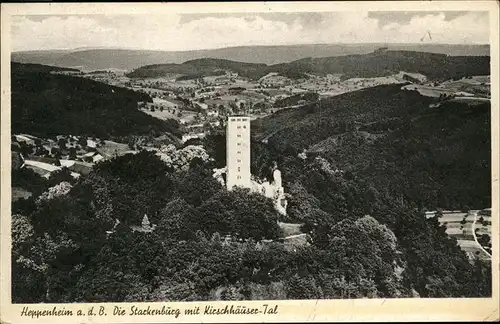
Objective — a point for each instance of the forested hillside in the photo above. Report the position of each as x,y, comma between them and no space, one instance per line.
383,63
62,253
200,68
376,64
435,157
46,104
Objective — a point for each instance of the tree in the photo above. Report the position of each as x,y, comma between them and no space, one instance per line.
26,149
196,185
221,110
62,175
137,183
82,141
62,143
177,221
115,270
72,153
55,151
61,189
484,240
303,207
303,288
240,213
42,254
207,126
335,287
233,107
371,255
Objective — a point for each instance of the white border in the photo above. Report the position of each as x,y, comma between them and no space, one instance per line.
477,309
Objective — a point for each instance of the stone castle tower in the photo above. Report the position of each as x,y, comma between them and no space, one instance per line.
238,152
238,161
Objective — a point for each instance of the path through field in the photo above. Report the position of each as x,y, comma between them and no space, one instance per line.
462,226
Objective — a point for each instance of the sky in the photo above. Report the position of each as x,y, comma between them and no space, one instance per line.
179,32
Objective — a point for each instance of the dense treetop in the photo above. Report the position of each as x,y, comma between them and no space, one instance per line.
435,157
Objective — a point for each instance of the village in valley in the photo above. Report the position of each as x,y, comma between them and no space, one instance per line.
201,104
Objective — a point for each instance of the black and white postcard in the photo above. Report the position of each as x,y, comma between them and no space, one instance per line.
249,162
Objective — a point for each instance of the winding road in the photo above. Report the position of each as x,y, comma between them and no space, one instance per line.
474,234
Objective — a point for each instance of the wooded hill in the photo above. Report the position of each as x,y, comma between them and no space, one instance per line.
438,157
378,63
46,104
199,68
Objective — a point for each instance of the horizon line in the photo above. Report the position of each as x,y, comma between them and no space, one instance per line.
238,46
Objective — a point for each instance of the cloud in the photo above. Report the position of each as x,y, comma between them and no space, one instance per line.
221,32
171,32
57,32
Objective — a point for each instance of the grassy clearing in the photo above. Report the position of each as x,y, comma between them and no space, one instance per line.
290,229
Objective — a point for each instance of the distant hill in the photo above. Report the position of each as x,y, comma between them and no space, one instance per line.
47,104
125,59
377,63
28,68
391,139
383,63
200,68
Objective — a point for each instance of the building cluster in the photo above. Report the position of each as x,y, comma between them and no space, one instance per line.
46,156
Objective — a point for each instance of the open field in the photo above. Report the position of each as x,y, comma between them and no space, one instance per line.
164,115
465,227
428,91
471,100
476,88
290,229
110,148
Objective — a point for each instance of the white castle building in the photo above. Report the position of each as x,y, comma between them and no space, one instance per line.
238,165
273,190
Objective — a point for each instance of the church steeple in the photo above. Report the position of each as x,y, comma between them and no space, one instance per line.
146,225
